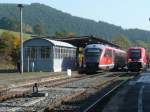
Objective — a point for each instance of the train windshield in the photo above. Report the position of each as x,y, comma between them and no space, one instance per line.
92,52
135,54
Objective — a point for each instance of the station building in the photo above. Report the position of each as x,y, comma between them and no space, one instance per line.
44,54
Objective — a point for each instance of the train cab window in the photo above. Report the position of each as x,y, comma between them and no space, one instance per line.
135,53
108,53
93,52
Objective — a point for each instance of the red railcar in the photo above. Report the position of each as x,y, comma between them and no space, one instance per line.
102,57
137,59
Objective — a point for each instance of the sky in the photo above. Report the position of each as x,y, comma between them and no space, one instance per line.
124,13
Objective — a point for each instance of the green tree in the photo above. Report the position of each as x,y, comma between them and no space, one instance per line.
64,33
15,51
27,28
38,29
9,24
122,41
10,47
60,34
141,43
55,20
71,34
2,47
6,39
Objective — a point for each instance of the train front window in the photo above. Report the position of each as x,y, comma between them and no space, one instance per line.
93,52
135,54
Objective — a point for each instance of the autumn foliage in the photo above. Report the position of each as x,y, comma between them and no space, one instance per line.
9,47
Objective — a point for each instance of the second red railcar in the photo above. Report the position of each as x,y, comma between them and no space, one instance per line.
137,59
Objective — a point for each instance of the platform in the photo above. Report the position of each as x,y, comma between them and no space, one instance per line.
134,97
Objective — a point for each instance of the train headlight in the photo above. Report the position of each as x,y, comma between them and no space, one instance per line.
140,60
129,60
84,65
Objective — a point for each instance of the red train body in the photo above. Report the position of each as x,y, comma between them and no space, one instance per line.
137,59
101,57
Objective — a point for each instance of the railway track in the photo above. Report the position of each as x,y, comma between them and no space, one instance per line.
101,101
19,90
57,91
10,92
93,107
79,103
90,96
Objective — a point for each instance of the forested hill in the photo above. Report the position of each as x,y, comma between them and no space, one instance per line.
53,20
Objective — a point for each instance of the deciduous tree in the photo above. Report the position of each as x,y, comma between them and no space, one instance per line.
38,29
10,47
122,41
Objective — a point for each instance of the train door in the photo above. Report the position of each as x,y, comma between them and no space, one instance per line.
146,58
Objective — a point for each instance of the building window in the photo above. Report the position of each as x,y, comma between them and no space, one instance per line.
56,52
45,52
31,52
26,52
62,52
72,51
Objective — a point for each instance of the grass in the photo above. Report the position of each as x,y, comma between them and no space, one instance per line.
15,76
25,36
7,79
18,76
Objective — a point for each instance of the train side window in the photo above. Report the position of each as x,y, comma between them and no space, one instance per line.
108,53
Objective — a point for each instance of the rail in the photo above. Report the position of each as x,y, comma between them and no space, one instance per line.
91,108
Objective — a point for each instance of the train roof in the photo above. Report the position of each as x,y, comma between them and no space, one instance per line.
136,48
95,46
103,47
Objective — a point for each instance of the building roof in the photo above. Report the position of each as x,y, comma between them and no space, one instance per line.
82,41
54,42
85,40
59,43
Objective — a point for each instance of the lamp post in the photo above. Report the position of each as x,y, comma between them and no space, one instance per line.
21,39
